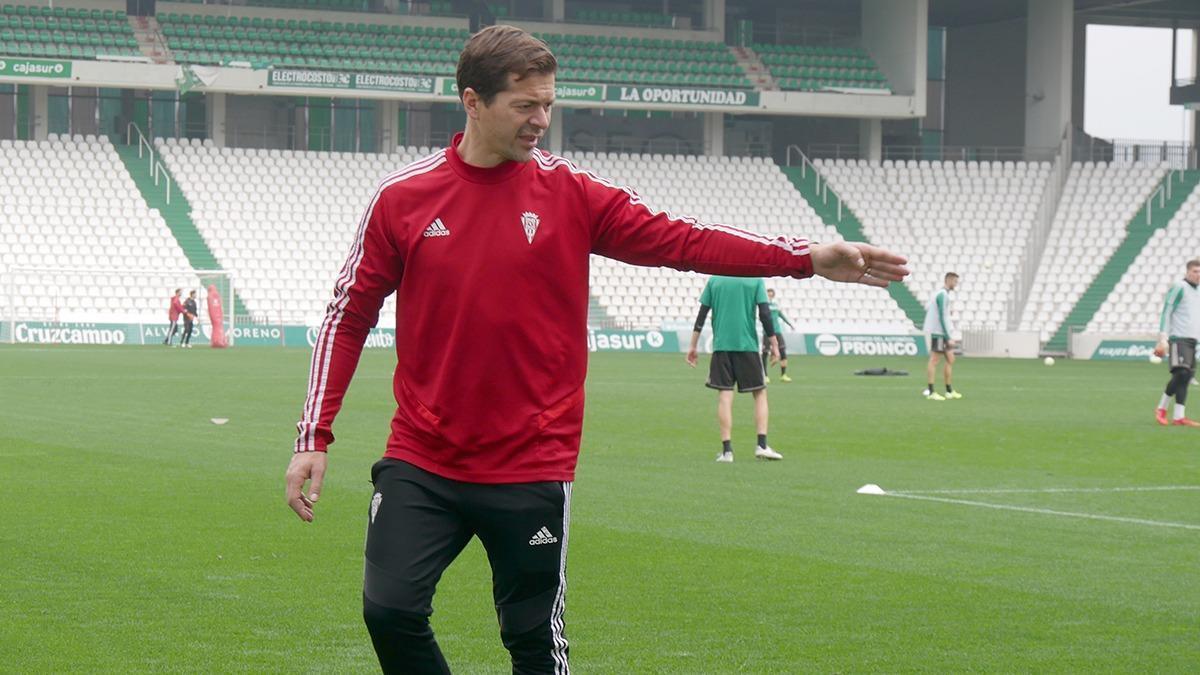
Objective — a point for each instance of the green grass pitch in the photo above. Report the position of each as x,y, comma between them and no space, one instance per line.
137,536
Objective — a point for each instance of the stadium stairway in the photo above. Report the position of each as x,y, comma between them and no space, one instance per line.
1138,233
851,230
177,215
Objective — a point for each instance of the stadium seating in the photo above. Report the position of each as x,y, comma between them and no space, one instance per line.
281,221
65,32
211,39
964,217
1097,204
446,8
69,204
749,193
611,59
646,19
813,68
1136,302
330,5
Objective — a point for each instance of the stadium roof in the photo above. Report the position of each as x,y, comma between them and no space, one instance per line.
1157,13
951,13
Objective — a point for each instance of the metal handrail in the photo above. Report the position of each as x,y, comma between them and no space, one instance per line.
156,166
1163,193
160,170
945,153
1035,246
822,187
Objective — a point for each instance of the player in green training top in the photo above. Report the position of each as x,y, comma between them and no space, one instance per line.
776,317
1179,329
733,301
938,329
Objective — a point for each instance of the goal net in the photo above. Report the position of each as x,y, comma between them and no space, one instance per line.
64,305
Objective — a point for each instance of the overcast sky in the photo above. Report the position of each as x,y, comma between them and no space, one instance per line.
1127,83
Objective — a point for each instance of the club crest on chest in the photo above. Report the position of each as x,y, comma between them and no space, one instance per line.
530,221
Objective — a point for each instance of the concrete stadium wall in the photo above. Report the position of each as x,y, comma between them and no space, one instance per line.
985,84
894,33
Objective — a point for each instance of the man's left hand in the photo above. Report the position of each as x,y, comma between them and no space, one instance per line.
855,262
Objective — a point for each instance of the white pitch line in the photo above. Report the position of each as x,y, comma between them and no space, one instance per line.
1047,512
968,491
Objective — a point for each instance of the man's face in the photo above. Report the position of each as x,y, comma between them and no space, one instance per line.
770,295
1193,275
517,117
952,283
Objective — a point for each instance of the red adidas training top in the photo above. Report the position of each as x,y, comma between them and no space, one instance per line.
491,268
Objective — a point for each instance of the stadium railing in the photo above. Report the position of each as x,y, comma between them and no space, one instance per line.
1176,155
944,153
1035,245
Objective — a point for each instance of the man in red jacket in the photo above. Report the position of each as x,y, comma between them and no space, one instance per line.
458,235
173,314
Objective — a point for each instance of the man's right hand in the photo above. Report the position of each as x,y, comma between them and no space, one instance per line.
305,466
692,357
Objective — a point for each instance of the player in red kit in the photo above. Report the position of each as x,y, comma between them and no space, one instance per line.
458,235
173,314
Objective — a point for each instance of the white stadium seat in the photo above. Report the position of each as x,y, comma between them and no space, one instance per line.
1097,203
1135,304
964,217
84,212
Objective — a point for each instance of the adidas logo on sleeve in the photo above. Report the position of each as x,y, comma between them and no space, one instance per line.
543,536
437,229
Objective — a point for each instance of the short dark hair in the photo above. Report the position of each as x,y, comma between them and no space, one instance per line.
1193,263
950,275
496,51
178,291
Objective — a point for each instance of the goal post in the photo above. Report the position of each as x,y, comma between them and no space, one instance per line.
88,305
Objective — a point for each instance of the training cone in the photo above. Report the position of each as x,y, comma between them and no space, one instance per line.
219,420
871,489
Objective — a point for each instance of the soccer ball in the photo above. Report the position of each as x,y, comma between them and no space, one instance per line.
1049,360
1155,359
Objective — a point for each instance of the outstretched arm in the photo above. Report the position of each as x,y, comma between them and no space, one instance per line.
625,228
